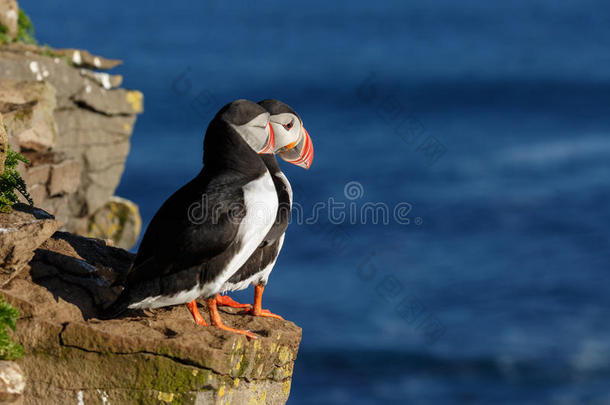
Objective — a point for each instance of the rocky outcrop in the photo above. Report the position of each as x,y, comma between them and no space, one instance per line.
74,124
28,107
21,232
150,357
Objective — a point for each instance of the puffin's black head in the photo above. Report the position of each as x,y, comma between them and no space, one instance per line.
292,142
275,107
251,122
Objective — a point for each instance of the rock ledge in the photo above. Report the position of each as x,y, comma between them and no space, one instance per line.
158,356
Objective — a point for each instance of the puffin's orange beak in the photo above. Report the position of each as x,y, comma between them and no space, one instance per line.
270,146
302,153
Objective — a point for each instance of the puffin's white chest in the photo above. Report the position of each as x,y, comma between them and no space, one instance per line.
261,203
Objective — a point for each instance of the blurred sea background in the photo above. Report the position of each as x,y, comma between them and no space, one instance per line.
489,119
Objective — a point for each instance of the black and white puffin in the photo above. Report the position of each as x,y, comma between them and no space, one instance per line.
293,145
209,228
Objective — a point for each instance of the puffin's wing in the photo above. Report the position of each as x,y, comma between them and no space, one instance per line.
181,235
249,268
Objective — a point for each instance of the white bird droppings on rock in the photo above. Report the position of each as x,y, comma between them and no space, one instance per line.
104,79
34,67
7,230
88,88
97,62
11,15
76,58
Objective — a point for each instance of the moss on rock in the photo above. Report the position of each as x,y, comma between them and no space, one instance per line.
138,378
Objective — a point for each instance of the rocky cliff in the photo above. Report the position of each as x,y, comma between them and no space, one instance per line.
59,281
73,122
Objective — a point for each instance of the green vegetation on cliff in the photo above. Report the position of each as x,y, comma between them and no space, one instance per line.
11,181
9,350
25,30
4,37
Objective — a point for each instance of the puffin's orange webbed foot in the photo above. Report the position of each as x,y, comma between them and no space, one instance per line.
192,306
217,321
226,301
246,333
262,312
257,310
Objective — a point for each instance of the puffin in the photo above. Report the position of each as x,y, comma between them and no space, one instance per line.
295,146
210,227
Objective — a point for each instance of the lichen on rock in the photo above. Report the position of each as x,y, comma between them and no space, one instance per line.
118,220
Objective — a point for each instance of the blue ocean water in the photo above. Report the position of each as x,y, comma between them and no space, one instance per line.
488,121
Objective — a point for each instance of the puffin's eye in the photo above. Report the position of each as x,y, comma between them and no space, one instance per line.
288,126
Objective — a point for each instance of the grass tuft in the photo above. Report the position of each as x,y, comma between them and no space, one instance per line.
11,181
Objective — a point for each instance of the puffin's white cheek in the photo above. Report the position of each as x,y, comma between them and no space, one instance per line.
282,137
251,140
255,139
